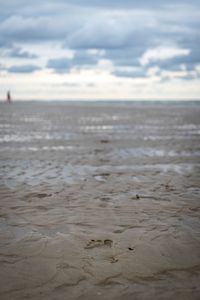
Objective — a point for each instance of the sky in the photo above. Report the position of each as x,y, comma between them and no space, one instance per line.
100,49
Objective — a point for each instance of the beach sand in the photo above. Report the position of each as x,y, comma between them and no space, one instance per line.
99,201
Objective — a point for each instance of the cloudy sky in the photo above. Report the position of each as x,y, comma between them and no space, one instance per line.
100,49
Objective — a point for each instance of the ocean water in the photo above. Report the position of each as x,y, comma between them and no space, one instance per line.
86,135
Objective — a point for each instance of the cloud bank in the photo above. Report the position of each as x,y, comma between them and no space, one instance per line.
149,40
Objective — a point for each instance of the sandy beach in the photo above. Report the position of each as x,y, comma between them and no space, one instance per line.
99,201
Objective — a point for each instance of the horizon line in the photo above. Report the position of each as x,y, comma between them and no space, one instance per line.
102,100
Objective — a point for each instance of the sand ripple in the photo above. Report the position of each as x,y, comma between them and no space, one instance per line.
99,201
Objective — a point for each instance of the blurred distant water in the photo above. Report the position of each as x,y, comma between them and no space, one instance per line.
89,134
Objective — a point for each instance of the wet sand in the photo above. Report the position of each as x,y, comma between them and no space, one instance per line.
99,201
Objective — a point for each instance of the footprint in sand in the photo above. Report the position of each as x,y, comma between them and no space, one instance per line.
104,141
113,260
98,243
43,195
131,248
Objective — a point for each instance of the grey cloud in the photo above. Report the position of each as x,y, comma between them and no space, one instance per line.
5,43
131,3
130,74
178,62
23,69
60,64
18,52
80,58
7,49
128,56
96,36
40,20
20,28
123,29
112,30
84,58
38,28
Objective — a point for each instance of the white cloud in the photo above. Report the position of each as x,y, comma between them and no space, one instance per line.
153,71
162,53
